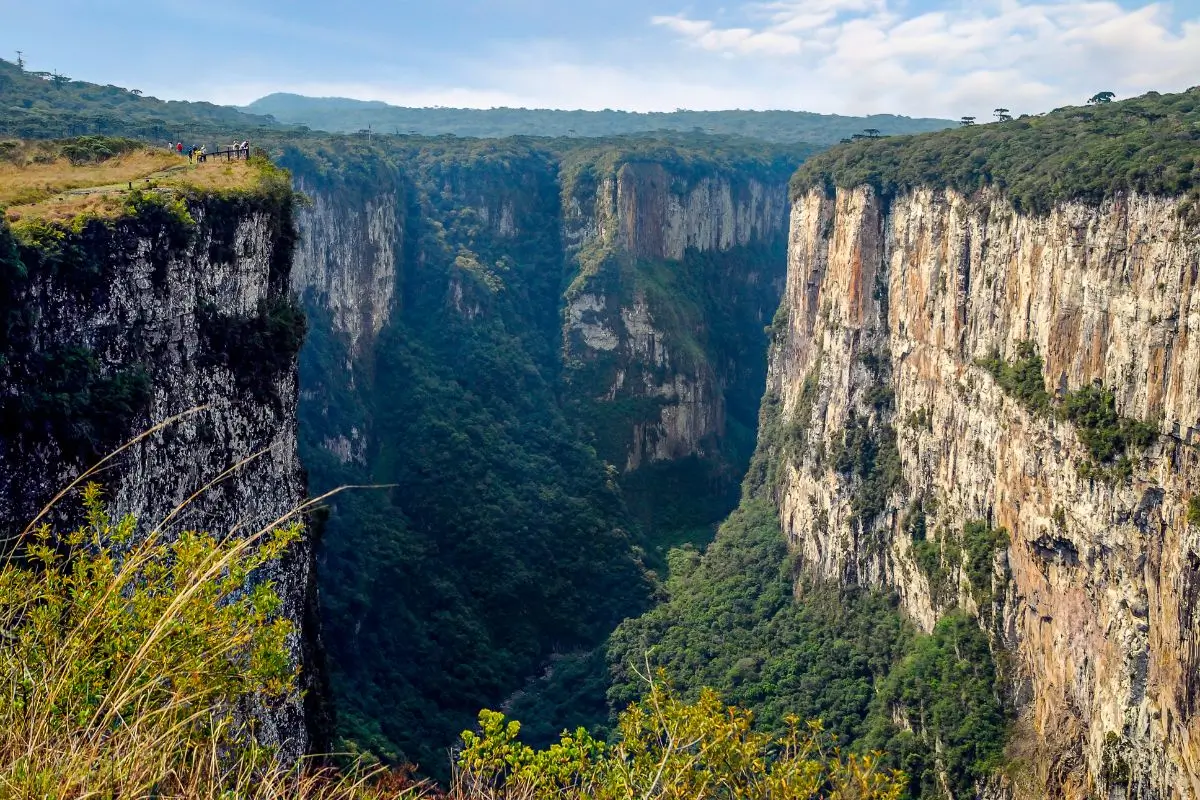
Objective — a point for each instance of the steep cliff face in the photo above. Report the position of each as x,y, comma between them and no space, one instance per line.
677,273
120,325
897,444
347,259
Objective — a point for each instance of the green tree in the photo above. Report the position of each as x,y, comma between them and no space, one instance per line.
1101,98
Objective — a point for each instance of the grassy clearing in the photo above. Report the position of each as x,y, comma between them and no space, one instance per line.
58,182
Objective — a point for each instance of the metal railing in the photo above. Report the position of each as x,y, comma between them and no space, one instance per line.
230,155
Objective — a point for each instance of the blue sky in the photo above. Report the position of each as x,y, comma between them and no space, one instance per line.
916,57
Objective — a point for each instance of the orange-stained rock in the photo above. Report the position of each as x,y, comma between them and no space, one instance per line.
1100,607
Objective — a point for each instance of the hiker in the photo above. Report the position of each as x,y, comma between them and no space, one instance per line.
191,152
179,148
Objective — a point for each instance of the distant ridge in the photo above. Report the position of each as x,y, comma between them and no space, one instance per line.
345,115
41,105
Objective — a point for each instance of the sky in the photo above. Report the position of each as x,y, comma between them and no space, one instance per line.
942,58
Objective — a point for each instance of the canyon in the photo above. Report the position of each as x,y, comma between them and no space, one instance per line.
960,524
479,306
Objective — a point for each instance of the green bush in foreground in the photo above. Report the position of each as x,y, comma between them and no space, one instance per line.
123,658
667,748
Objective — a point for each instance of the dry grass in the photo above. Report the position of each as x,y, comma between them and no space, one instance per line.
24,184
120,656
59,191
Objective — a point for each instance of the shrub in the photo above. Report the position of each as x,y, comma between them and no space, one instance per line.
124,658
1105,433
1022,377
871,454
667,748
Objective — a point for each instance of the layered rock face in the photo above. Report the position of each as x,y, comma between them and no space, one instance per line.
891,305
651,247
139,320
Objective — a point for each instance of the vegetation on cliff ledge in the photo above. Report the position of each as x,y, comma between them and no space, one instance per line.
1108,436
66,183
1147,144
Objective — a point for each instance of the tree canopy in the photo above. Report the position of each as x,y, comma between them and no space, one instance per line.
1146,144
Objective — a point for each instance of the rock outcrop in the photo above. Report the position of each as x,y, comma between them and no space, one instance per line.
134,321
659,254
891,305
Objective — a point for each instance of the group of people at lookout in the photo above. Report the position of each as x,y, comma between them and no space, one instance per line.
242,149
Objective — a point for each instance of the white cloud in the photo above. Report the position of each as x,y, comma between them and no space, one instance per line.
862,56
734,40
840,56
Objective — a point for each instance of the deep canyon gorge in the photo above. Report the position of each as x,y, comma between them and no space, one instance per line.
900,434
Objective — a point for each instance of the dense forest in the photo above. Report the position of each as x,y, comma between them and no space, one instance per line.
344,115
1146,144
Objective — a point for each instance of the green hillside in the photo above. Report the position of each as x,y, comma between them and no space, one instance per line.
38,105
348,116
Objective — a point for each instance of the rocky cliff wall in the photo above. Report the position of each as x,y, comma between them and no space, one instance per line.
653,248
893,436
123,325
346,258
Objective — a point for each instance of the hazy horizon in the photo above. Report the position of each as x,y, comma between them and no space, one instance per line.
916,58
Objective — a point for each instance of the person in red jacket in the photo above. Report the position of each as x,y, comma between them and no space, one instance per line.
179,148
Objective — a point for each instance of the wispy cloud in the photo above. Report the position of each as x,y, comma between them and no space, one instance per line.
947,58
868,54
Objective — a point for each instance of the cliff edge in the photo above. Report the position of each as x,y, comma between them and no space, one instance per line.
142,305
989,399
